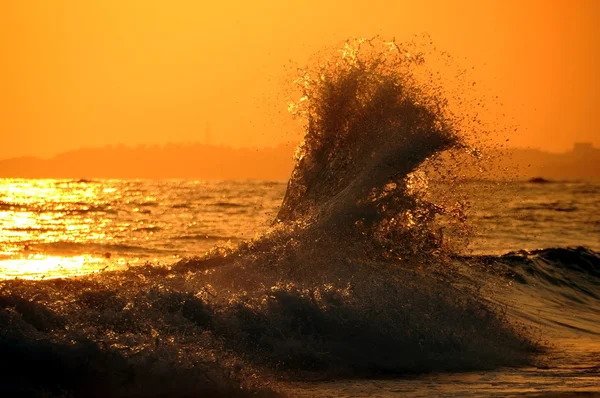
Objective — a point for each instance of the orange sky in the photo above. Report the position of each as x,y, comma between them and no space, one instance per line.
91,73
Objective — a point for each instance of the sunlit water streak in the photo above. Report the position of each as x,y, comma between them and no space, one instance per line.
56,228
51,228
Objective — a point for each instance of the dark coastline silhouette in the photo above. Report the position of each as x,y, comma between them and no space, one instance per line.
187,161
200,161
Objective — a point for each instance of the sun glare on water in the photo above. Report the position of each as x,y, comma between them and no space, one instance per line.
42,266
42,225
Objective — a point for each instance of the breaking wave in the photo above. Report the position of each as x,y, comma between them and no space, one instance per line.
557,287
354,277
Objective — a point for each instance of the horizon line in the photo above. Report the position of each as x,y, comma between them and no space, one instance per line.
163,146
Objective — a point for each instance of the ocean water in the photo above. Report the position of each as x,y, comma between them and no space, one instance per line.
376,270
52,228
62,227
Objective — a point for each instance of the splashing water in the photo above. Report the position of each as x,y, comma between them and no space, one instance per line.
323,289
342,266
369,125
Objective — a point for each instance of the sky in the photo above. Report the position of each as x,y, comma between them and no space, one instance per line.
143,72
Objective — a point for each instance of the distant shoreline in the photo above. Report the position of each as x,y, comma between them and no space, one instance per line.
209,162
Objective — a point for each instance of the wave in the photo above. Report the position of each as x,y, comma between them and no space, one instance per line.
368,128
147,229
573,272
148,203
550,206
578,261
568,275
91,209
70,208
228,205
9,205
355,258
354,278
67,247
30,229
33,364
202,237
558,288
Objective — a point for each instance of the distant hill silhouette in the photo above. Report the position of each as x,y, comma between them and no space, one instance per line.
188,161
199,161
581,163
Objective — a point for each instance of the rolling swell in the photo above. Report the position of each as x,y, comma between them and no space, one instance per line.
352,279
579,260
571,272
557,288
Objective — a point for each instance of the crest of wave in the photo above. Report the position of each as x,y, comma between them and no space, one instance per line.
323,290
370,122
320,293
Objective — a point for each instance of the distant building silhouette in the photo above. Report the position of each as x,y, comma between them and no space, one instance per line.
583,148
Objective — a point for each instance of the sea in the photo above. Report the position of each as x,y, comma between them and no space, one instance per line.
387,266
548,233
61,228
56,228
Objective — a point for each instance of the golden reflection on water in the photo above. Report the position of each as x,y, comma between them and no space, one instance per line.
34,214
43,266
60,228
